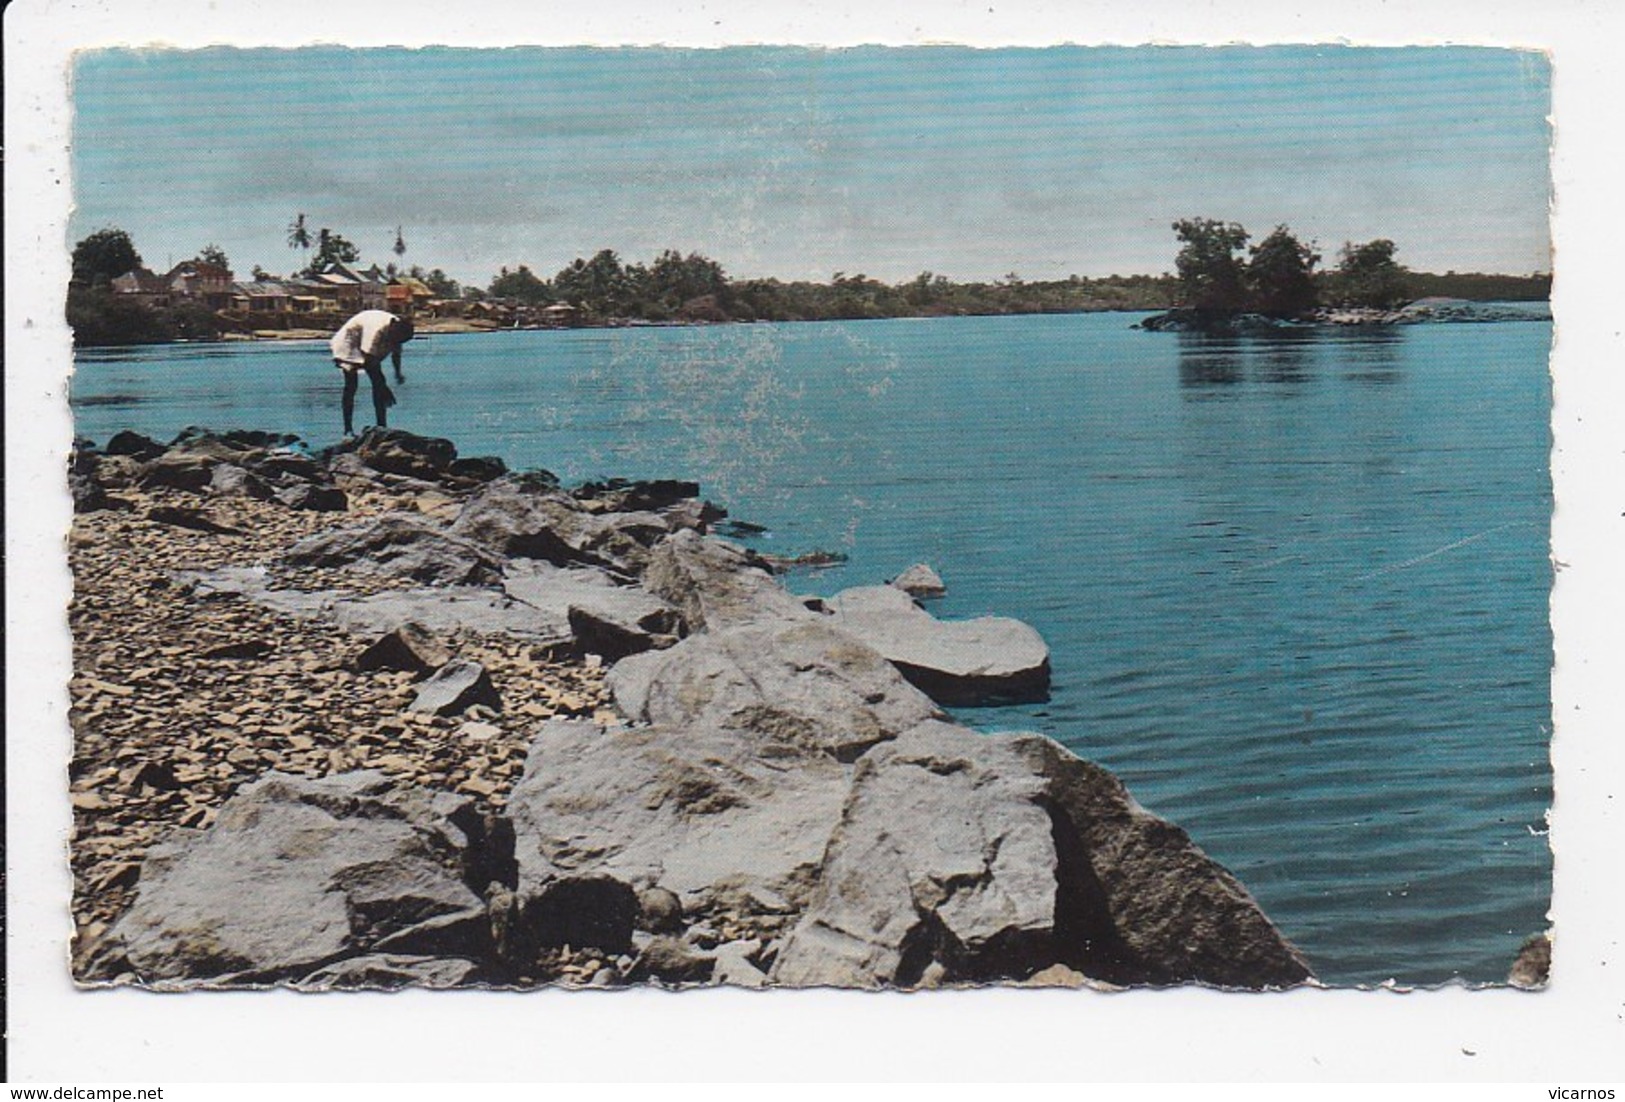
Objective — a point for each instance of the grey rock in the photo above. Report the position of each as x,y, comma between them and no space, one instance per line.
230,480
403,453
735,964
482,468
290,466
134,444
612,637
388,971
944,854
517,519
692,514
178,470
1533,967
447,610
699,811
920,580
988,660
401,545
411,647
454,687
669,961
465,933
295,873
968,858
622,496
660,911
313,497
798,681
715,584
88,494
1142,903
606,618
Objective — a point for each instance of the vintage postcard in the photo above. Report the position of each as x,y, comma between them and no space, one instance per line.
862,517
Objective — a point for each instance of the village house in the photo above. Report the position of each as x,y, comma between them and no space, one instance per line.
407,296
201,281
263,296
145,287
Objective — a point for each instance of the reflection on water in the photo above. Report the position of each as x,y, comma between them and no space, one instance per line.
122,400
1209,363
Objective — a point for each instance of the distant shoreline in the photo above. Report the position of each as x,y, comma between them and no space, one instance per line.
1177,319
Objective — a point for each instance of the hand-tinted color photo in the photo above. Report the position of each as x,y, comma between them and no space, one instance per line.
780,517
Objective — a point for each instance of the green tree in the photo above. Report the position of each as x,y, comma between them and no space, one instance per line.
331,248
104,255
213,254
1368,275
1210,272
600,285
100,318
522,285
1280,275
442,284
400,243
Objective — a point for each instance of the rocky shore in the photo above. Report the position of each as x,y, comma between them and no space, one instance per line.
382,715
1422,312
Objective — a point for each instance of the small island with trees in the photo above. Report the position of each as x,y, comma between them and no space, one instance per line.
1220,285
1274,284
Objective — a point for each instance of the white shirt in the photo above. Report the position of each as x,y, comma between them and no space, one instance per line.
366,334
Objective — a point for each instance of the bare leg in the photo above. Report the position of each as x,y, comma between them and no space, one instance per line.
347,402
382,396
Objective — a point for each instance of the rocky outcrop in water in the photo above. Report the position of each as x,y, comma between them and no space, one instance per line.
777,799
1225,323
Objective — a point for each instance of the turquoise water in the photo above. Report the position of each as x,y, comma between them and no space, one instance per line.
1295,587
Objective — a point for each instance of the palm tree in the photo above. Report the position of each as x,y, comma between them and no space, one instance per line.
400,243
299,236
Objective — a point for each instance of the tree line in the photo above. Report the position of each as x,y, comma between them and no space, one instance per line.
1216,270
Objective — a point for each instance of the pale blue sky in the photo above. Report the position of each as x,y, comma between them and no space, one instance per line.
797,163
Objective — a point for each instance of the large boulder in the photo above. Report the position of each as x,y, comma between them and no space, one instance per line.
944,856
605,618
700,811
402,545
519,518
966,858
296,874
799,681
135,445
449,609
620,495
179,470
397,452
230,480
715,584
988,660
920,581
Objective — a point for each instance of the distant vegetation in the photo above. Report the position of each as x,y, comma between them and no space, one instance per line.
100,317
1278,278
1216,270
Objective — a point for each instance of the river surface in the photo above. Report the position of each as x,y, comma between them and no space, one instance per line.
1295,587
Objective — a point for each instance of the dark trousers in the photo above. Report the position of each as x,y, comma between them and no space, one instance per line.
382,397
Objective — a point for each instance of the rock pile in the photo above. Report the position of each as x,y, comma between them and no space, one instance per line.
433,789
